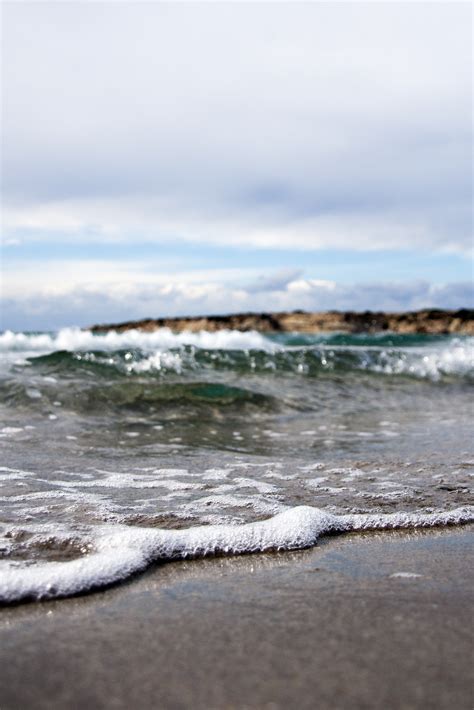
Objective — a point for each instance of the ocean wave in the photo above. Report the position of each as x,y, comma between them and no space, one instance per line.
117,553
76,340
457,358
453,360
163,352
109,396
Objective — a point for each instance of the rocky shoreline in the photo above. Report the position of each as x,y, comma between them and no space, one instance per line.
429,321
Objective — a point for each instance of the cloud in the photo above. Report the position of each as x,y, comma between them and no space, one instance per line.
313,125
147,219
295,127
117,278
274,282
112,302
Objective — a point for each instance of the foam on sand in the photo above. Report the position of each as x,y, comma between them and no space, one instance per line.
119,552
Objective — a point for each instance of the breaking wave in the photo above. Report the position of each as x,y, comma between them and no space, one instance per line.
163,352
76,340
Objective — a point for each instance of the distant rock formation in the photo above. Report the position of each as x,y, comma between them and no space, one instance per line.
431,321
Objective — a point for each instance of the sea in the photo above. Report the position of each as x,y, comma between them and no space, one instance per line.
125,450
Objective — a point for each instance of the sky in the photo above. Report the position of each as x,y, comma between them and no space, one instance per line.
186,158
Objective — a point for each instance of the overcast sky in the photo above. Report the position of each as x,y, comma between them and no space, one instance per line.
184,158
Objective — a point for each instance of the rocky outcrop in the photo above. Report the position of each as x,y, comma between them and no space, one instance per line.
430,321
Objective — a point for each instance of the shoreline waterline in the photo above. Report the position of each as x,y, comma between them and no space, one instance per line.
121,554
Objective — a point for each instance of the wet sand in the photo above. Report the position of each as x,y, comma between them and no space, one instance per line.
361,621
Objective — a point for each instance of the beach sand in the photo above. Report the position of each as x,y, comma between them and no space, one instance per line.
361,621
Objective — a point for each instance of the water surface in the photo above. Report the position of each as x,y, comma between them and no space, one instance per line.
168,430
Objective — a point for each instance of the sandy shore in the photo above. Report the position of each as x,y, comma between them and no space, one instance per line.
361,621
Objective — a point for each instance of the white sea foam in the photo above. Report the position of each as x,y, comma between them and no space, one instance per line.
9,430
405,575
455,358
76,340
157,362
118,552
122,480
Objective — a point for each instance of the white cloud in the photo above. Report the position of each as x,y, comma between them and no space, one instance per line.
313,125
111,221
296,126
115,279
310,285
114,302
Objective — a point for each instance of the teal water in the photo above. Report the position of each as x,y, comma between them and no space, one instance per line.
173,430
